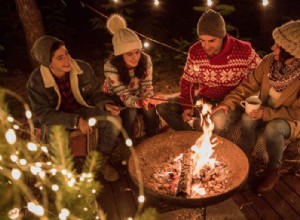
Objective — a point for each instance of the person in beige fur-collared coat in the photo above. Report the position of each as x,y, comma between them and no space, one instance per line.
277,80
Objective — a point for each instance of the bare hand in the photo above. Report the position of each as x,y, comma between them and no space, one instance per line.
84,126
256,114
220,107
113,109
187,114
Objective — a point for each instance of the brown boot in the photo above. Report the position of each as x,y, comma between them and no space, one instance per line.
109,172
269,182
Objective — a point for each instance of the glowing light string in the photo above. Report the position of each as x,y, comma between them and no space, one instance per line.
148,38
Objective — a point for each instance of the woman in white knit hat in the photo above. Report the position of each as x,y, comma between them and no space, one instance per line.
129,77
277,79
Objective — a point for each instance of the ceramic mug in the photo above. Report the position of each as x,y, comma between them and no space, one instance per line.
251,103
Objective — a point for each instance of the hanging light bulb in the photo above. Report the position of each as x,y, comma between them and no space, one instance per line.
265,2
209,3
156,2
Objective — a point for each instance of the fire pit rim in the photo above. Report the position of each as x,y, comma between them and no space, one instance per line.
189,202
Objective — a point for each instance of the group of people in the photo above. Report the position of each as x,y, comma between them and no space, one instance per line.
223,69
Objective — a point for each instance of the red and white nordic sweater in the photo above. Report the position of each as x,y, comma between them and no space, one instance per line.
218,75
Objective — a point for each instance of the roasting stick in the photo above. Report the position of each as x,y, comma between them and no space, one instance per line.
173,102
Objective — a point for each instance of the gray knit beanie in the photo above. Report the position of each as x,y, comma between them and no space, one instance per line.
41,49
124,39
211,23
288,37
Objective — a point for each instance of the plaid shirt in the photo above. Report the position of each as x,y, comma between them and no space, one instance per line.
68,102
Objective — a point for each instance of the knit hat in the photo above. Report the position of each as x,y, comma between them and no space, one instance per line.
41,49
211,23
288,37
124,39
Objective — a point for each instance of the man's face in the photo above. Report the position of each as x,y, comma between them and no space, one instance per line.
60,63
211,45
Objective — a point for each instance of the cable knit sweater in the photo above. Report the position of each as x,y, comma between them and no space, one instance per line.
218,75
132,95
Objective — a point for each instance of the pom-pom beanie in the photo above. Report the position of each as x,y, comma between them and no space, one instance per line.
124,39
287,36
211,23
41,49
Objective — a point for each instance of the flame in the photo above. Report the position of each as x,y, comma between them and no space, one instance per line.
203,148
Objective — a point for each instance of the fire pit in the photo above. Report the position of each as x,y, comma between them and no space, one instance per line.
159,149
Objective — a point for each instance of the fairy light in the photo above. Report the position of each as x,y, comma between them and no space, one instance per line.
14,213
16,127
53,171
35,209
35,170
94,191
146,44
23,162
85,209
44,149
265,2
38,164
14,158
209,3
129,218
31,146
28,114
10,119
128,142
10,136
64,213
141,199
92,121
64,172
16,173
55,187
156,2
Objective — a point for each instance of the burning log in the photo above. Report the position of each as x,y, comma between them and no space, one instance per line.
186,176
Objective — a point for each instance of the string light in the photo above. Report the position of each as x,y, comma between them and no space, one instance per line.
35,209
14,158
209,3
92,121
128,142
10,136
28,114
55,187
31,146
14,213
16,173
23,162
146,44
156,2
64,213
265,2
141,199
10,119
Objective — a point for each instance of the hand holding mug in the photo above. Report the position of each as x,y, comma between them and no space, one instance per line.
250,104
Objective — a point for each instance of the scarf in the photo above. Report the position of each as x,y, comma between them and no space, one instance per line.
281,75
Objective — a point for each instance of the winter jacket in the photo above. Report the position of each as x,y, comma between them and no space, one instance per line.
45,97
286,107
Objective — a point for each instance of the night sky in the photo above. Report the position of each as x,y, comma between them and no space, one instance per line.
173,19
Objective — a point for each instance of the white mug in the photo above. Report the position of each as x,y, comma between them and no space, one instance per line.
251,103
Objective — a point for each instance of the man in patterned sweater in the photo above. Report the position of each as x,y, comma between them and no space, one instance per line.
217,63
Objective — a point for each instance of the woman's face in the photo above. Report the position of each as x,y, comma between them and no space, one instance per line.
132,58
276,51
60,63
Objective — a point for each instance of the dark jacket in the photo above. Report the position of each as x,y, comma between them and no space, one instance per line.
45,98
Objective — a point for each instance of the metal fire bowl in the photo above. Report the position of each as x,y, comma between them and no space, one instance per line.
155,150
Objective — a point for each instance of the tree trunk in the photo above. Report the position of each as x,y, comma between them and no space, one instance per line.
31,20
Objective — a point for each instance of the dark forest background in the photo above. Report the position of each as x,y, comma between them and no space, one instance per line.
172,23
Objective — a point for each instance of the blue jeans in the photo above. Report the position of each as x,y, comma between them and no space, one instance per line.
275,133
171,113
